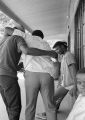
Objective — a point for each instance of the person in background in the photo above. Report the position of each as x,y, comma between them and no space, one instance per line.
67,79
11,49
39,76
78,110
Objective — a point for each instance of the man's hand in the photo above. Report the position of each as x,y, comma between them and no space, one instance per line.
53,54
20,66
73,92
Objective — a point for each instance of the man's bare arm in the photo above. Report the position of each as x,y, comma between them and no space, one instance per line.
72,69
37,52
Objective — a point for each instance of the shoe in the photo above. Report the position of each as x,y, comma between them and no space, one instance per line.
41,116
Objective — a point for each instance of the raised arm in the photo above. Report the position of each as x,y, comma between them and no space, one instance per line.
22,47
37,52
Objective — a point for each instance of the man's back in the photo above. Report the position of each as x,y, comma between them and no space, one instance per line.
38,63
9,56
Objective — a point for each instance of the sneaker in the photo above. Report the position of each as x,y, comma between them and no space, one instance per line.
41,116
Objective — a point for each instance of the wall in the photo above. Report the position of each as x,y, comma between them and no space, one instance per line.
72,37
73,4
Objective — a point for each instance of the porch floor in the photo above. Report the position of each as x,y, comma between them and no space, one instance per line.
64,110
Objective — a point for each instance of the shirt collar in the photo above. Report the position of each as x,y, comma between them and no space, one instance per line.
19,33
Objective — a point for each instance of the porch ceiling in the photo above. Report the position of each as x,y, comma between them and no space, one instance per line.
48,15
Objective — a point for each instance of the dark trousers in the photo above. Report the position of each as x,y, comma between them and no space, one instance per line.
10,92
59,94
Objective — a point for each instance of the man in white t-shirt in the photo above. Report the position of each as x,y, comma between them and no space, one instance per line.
39,76
68,72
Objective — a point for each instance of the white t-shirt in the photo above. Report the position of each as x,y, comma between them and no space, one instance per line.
78,110
67,60
38,63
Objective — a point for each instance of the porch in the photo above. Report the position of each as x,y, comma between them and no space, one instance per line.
64,110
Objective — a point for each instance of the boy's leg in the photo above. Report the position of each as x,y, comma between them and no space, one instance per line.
59,94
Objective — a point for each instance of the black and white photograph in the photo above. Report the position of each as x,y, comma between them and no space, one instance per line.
42,59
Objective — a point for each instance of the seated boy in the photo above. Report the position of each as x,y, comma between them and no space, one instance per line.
78,110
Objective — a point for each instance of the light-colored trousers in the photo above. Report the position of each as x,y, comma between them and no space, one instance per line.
43,82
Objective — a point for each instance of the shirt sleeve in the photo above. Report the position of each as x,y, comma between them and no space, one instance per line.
20,42
70,59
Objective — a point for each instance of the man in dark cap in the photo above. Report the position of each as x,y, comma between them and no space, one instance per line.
11,49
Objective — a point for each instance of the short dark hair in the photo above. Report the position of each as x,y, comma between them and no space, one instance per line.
38,33
60,43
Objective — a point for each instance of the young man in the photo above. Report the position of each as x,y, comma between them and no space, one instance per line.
78,110
39,73
68,72
10,52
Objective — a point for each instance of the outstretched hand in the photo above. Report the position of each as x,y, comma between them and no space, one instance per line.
53,54
20,67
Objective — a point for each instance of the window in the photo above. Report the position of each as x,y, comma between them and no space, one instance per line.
79,33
